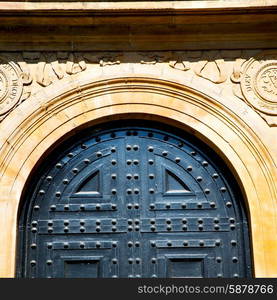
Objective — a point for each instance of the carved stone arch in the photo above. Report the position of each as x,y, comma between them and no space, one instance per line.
76,102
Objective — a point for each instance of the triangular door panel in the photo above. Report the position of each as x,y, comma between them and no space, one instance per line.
91,185
174,184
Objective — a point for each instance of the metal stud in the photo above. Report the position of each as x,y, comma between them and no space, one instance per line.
150,149
185,228
219,259
164,153
33,246
114,221
138,260
136,206
82,245
128,147
236,275
58,165
153,244
207,191
53,207
82,207
233,242
66,229
201,243
212,204
177,159
113,191
65,181
223,189
136,161
199,178
151,161
130,244
114,206
49,245
151,191
58,194
169,244
82,229
169,228
113,162
130,260
114,261
129,191
98,222
130,228
34,223
205,163
36,207
98,206
34,230
130,221
83,146
137,244
228,204
152,206
113,176
50,229
49,178
75,170
98,245
129,176
135,147
235,259
189,168
66,207
136,176
153,228
33,263
184,205
185,243
114,228
216,220
97,229
184,221
216,227
129,162
99,154
65,245
217,242
113,149
41,192
167,206
114,244
86,161
200,227
215,176
153,260
199,205
219,275
232,226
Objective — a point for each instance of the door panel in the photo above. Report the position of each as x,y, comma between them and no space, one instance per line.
133,202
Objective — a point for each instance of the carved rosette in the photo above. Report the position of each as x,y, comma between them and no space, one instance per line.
11,87
259,84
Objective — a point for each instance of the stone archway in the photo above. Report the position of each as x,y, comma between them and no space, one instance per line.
57,112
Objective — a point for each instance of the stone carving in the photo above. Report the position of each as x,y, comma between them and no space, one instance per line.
151,59
179,65
12,81
212,69
257,79
109,59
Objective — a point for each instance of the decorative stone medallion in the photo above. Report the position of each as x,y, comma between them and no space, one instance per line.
11,86
259,82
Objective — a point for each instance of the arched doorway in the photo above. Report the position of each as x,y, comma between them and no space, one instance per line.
133,199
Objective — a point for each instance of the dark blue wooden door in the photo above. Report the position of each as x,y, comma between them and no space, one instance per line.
134,202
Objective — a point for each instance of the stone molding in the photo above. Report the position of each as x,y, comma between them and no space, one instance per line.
250,75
